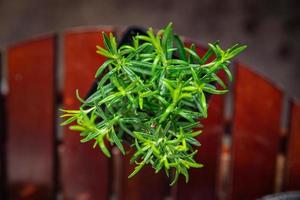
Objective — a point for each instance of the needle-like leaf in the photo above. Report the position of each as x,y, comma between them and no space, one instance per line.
151,94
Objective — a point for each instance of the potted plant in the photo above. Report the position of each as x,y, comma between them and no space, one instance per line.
151,95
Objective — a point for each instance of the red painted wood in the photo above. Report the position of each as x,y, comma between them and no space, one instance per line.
85,171
293,161
256,125
30,118
202,184
145,185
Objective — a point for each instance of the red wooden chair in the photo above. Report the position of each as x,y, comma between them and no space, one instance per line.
39,160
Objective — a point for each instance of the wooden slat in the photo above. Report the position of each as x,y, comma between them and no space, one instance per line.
145,185
256,125
202,184
293,161
30,109
85,171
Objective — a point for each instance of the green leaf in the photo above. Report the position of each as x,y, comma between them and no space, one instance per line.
103,67
167,40
69,120
234,52
215,50
113,43
180,48
77,128
140,70
90,136
175,178
193,141
105,53
139,153
168,84
136,170
203,104
78,96
194,55
192,164
218,80
185,173
142,37
70,111
209,52
110,98
117,140
107,42
214,91
227,71
103,147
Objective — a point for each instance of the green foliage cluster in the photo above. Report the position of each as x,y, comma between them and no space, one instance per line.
151,95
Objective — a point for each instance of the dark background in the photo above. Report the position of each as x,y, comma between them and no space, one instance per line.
270,28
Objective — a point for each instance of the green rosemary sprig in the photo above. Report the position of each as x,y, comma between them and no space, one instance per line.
152,96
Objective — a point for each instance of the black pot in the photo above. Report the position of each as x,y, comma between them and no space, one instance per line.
295,195
125,39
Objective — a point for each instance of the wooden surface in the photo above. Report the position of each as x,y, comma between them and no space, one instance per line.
85,171
202,184
30,115
257,111
293,157
27,121
146,185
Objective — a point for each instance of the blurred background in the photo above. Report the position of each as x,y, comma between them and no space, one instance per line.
271,28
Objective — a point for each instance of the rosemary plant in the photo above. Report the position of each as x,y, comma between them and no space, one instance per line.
151,95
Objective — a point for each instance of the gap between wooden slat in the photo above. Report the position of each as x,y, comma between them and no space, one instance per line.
59,78
59,90
281,157
2,129
116,174
228,109
120,181
224,168
115,162
57,128
289,172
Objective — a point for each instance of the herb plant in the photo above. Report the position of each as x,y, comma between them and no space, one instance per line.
151,95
